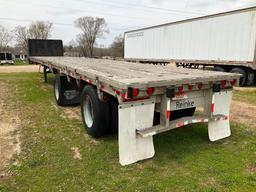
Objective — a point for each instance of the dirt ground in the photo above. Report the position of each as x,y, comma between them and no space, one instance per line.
9,126
243,113
17,69
247,89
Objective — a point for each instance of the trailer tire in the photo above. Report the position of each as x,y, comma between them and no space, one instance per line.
113,112
243,79
251,78
220,69
95,113
57,91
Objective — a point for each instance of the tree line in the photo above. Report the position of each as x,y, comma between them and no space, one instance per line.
92,28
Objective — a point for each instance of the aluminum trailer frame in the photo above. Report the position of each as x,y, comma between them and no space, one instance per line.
160,89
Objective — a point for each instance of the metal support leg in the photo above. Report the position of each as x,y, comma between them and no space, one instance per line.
45,74
133,147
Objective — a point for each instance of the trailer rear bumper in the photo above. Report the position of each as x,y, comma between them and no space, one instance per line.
179,123
136,128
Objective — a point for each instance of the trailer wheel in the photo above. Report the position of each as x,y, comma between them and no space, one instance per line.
220,69
243,79
250,78
57,91
113,109
95,113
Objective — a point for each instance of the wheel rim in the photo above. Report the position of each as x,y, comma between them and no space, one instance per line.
56,90
88,111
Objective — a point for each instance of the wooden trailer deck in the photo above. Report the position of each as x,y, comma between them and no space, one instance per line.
121,74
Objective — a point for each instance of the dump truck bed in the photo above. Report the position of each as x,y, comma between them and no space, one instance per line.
122,75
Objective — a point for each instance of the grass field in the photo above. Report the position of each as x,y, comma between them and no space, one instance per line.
248,96
185,159
19,62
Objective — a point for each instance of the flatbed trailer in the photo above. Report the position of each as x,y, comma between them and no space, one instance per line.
140,100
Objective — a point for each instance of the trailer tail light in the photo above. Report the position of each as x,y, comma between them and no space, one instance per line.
180,88
150,90
223,83
190,87
135,92
233,82
200,86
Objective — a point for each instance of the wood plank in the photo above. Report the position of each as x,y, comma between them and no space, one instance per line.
121,74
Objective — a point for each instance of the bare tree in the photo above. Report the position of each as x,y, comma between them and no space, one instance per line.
92,28
40,30
21,35
82,44
117,47
5,38
36,30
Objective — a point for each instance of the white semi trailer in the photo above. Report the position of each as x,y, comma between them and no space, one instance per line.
226,41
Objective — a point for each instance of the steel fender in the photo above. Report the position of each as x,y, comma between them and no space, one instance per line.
220,129
132,147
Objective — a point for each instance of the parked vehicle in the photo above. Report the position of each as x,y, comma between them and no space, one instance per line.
135,99
6,58
225,41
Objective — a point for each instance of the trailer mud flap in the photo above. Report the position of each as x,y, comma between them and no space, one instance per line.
220,129
133,147
69,91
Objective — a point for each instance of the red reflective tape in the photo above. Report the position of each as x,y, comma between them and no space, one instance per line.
117,92
190,87
89,81
226,117
212,107
123,95
168,114
179,125
137,99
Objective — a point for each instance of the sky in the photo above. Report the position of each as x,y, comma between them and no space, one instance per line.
120,15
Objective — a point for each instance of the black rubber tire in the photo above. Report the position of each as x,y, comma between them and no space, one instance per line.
250,79
113,112
100,110
57,90
243,79
220,69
